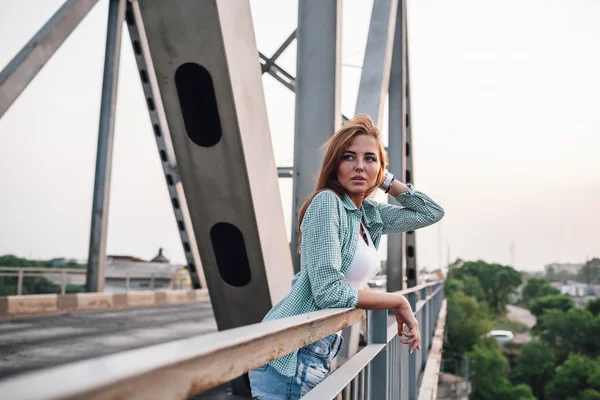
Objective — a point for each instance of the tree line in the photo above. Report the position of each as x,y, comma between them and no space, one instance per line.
33,284
561,362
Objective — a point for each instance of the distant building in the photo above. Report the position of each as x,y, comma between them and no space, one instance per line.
570,268
578,289
562,272
124,273
56,262
160,258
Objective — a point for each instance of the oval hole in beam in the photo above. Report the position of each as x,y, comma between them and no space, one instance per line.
230,253
198,103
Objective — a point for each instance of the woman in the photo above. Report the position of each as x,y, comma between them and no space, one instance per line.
340,229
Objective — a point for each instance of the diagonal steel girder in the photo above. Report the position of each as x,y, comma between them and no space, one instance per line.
204,56
21,70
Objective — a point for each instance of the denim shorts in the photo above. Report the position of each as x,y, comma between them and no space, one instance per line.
313,366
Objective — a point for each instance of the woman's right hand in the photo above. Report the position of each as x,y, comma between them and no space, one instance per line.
413,335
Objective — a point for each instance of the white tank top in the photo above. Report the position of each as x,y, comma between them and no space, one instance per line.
366,263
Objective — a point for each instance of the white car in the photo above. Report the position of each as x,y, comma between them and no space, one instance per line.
378,281
502,336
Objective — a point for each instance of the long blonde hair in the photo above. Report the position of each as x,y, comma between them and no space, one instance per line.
335,147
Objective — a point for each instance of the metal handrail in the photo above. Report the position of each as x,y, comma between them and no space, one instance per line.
186,367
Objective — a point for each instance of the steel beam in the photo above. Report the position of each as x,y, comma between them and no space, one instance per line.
318,100
396,147
204,55
375,77
278,73
285,172
283,77
373,88
97,251
412,272
279,51
162,135
17,75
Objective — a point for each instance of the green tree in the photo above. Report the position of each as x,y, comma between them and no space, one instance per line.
574,331
498,281
593,306
472,287
453,286
488,376
537,287
572,379
534,367
590,394
520,392
590,272
9,260
554,302
467,323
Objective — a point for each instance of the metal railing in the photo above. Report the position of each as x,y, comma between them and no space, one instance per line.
12,279
183,368
383,369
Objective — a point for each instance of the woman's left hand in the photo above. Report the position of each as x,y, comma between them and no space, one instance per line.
413,336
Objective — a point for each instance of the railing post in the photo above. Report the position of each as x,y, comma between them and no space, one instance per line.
379,378
20,283
433,312
425,339
127,281
63,282
413,373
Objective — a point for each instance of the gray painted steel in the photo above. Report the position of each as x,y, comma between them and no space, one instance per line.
373,88
318,100
413,366
285,172
278,73
396,147
375,77
141,51
21,70
280,50
398,379
204,55
379,375
411,240
97,251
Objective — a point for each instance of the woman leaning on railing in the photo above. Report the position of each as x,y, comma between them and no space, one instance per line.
340,231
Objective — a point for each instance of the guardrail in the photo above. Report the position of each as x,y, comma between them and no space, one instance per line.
183,368
53,304
77,276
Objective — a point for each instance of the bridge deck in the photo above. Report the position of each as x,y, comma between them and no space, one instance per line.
27,344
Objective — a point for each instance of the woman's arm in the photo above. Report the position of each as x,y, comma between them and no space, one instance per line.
322,253
418,210
371,300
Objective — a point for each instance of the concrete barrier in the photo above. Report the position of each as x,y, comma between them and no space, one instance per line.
429,384
51,304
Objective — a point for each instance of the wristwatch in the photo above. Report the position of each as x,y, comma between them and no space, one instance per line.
387,182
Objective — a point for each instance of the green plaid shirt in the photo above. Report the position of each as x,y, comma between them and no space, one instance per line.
330,231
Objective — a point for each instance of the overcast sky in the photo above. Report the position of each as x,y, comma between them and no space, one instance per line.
506,131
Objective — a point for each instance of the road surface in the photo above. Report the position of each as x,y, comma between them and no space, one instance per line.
523,316
40,342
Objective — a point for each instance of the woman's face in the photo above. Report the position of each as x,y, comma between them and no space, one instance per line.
360,165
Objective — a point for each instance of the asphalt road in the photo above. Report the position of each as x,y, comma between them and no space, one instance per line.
40,342
523,316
